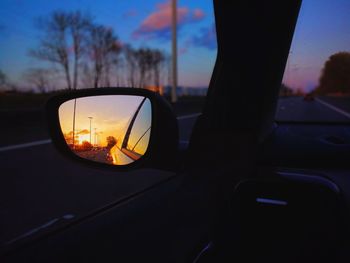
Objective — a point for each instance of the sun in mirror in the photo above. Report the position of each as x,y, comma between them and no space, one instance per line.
112,129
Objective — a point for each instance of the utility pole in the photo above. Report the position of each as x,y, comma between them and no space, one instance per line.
74,109
90,128
174,51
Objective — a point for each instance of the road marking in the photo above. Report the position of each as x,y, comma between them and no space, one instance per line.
24,145
40,228
204,250
41,142
189,116
346,114
271,201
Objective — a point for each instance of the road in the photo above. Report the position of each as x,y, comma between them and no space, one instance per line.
35,176
295,109
40,187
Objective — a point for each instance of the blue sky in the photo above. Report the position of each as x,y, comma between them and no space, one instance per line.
323,29
19,34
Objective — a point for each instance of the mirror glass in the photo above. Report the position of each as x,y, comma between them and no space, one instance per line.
112,129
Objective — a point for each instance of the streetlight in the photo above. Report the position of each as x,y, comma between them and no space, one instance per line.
90,128
74,109
174,51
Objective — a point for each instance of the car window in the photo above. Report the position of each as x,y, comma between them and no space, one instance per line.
316,82
70,45
49,46
141,130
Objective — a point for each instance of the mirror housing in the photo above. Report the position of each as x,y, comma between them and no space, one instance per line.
162,150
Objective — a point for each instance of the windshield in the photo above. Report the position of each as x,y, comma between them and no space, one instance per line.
316,82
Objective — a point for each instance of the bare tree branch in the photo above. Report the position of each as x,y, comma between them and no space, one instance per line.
79,25
64,35
53,46
39,78
131,64
103,44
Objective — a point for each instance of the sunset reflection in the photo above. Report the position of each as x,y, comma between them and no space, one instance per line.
113,129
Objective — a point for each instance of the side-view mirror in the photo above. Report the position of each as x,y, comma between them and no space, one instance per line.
117,128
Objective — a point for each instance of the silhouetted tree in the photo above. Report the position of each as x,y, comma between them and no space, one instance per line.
70,38
119,69
63,36
54,45
158,59
86,146
335,74
148,62
78,25
6,84
87,76
141,56
111,141
3,80
115,63
39,78
131,64
103,45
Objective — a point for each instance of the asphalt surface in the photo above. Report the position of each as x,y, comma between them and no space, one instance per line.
40,187
327,110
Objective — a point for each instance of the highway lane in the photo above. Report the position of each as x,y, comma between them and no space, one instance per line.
38,185
295,109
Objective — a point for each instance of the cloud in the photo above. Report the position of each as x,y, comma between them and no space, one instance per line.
184,47
83,132
206,38
198,14
158,23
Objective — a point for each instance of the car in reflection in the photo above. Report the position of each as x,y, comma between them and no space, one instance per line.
309,97
132,144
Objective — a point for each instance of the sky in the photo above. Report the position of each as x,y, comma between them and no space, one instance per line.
323,29
137,22
110,117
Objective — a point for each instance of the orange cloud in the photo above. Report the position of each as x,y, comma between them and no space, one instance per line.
83,132
198,14
206,38
158,23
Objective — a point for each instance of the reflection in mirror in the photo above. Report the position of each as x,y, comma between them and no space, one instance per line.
112,129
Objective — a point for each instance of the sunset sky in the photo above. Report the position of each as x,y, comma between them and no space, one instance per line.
110,116
323,29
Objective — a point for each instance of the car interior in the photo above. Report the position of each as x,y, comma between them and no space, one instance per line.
244,188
